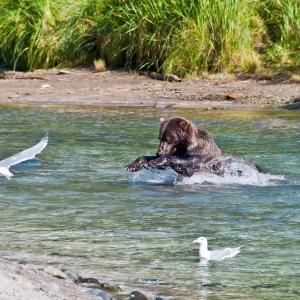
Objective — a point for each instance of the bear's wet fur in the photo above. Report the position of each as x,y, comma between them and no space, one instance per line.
181,138
187,149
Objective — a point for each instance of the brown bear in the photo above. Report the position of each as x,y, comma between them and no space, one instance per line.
180,137
188,149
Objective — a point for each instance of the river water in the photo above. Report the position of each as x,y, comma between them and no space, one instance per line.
76,206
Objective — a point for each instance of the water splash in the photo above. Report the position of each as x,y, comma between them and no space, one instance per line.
236,173
167,176
257,178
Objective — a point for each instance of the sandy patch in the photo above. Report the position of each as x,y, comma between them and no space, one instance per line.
84,87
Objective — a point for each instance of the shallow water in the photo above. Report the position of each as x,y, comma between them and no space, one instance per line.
76,205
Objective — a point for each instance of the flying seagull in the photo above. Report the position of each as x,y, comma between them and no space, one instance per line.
27,154
219,254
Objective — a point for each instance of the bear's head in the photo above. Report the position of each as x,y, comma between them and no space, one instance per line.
175,135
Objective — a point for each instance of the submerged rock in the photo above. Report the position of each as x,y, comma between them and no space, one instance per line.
102,294
111,287
136,295
89,282
71,274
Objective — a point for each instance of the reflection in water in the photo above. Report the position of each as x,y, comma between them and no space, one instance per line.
204,279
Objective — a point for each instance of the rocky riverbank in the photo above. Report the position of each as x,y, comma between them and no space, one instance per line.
20,280
112,88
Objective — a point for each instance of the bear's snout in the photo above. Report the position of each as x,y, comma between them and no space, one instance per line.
164,149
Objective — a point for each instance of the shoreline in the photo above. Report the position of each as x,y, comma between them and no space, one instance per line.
42,281
83,87
27,281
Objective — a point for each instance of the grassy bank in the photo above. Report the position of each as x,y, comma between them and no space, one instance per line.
172,36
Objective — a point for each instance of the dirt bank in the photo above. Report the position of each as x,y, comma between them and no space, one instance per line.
84,87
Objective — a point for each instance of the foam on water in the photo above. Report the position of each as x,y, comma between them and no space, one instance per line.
250,176
257,178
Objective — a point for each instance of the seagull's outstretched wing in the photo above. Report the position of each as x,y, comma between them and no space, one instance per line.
27,154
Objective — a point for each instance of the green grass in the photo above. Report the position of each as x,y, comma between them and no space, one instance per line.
184,37
27,38
220,36
282,19
81,33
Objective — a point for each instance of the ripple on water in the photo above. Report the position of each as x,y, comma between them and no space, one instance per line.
77,207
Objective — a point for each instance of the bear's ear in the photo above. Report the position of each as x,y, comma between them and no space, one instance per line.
184,125
161,119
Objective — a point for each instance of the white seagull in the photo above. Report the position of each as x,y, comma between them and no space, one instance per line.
219,254
27,154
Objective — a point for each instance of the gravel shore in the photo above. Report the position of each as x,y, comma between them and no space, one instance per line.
30,282
112,88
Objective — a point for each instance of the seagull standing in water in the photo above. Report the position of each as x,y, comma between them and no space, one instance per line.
27,154
219,254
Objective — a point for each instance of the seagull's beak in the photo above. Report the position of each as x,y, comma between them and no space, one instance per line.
195,242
